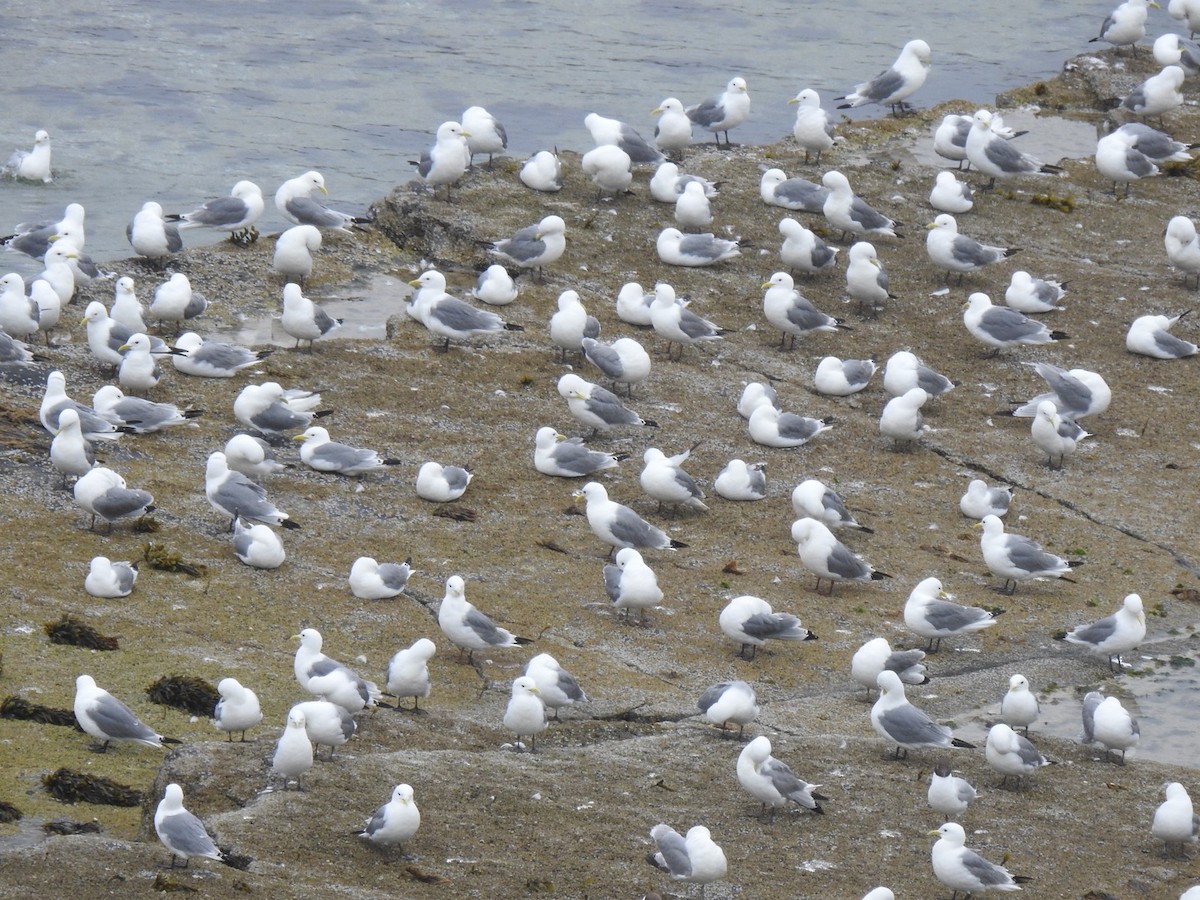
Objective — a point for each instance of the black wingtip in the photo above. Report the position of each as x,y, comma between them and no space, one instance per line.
959,742
1022,879
845,106
1059,336
1010,251
649,423
392,461
322,413
677,545
523,640
865,530
620,457
817,809
288,523
1075,563
1060,635
192,413
167,740
997,611
879,576
811,637
513,326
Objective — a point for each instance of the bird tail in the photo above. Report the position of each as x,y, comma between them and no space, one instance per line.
879,576
523,640
649,423
677,545
288,523
1010,251
512,326
192,413
959,742
1059,336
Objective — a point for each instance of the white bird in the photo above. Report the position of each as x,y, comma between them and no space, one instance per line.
175,301
1112,635
571,324
1055,435
19,313
534,246
396,822
295,203
202,358
901,418
448,317
495,286
1157,95
981,499
1033,295
994,156
668,183
740,480
1183,247
948,793
866,278
320,453
836,377
1115,728
949,195
107,719
466,627
484,132
965,870
899,722
791,312
896,84
1000,328
954,252
139,370
610,169
827,557
633,304
905,371
257,546
696,858
329,679
625,360
237,710
109,579
1151,336
664,480
877,654
607,132
1019,707
692,209
127,310
1188,12
729,703
565,457
677,324
931,613
525,714
1118,161
1175,822
556,686
34,239
294,751
773,783
542,172
596,406
798,194
723,112
1016,558
33,164
70,452
802,249
950,138
813,131
94,427
294,250
673,131
181,832
1125,25
772,427
441,484
234,494
102,492
751,622
408,671
371,580
303,319
631,584
754,393
1011,755
619,525
14,352
693,250
849,213
816,500
326,724
1076,393
251,456
236,213
151,235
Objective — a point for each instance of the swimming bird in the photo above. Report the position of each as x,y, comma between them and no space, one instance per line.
827,557
408,672
954,252
899,722
182,833
772,782
965,870
631,584
107,719
319,452
798,194
525,714
1151,336
1000,328
236,213
295,203
371,580
1112,635
896,84
1016,558
751,622
109,579
816,500
721,113
729,702
234,494
466,627
32,164
237,710
396,822
931,613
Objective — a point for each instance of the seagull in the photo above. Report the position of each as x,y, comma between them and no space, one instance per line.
596,406
772,427
619,525
269,409
1017,558
877,654
1125,25
954,252
70,452
673,132
294,751
237,710
677,324
34,239
55,401
495,286
692,209
257,546
773,783
901,418
303,319
849,213
19,314
408,672
607,132
1011,755
1112,635
1033,295
948,793
729,702
175,301
866,278
534,246
109,579
980,499
466,627
625,360
994,156
102,492
1118,161
212,359
1076,393
571,324
556,687
566,457
696,858
485,134
542,172
949,195
896,84
107,719
798,194
448,317
740,480
1158,94
1175,822
180,831
818,501
631,584
252,457
525,713
899,722
751,622
326,724
802,249
1019,707
138,370
236,213
1000,328
1054,434
394,823
33,164
234,494
668,183
1114,727
151,235
441,484
694,250
930,613
813,131
329,679
827,557
294,201
371,580
754,394
318,452
905,371
1151,336
610,168
294,251
965,870
836,377
726,111
1183,247
791,312
664,480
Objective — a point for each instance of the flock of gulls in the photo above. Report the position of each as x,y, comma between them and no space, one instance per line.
237,473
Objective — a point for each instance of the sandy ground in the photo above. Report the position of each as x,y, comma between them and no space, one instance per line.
573,820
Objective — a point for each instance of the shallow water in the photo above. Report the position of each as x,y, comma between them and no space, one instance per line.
177,103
